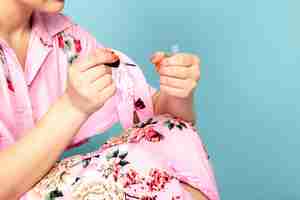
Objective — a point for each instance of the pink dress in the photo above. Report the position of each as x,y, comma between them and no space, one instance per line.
146,162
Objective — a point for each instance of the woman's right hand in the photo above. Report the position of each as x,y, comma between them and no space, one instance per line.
90,82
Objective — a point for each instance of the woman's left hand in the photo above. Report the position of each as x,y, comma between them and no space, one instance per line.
179,73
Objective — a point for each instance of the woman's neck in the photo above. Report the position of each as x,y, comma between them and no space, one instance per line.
14,19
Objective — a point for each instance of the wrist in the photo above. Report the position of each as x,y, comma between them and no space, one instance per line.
68,106
166,98
177,106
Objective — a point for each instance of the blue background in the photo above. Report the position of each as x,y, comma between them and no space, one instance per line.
248,102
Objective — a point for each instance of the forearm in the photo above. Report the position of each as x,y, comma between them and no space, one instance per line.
38,150
179,107
196,194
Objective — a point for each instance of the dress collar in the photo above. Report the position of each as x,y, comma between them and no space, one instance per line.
48,25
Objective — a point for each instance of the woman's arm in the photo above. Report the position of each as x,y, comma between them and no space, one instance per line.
196,194
179,76
28,160
183,108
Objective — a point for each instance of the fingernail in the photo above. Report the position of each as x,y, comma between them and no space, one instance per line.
157,67
115,57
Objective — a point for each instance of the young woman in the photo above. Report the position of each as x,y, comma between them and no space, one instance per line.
57,90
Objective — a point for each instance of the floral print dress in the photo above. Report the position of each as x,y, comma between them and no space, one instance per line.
146,162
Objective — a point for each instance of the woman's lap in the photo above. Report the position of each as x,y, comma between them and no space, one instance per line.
146,162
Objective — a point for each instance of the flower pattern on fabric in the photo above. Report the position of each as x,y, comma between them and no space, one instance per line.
143,130
176,122
139,104
2,56
114,172
149,122
70,45
54,194
147,133
112,178
3,62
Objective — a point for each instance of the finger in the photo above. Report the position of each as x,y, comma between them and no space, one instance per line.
107,92
102,82
175,71
94,73
98,57
157,57
180,59
181,93
176,83
194,72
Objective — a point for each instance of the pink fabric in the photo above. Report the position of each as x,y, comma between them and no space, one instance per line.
44,80
147,161
26,96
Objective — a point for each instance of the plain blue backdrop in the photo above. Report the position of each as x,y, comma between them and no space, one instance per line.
248,102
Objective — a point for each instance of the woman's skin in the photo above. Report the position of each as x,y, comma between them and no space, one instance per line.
89,86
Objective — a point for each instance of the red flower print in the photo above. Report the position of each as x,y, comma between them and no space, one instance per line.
139,104
61,42
158,180
152,135
147,133
132,177
148,198
78,47
136,135
10,85
176,197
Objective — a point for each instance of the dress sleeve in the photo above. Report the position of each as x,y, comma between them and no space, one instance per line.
121,106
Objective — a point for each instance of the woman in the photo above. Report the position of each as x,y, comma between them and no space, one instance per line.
57,90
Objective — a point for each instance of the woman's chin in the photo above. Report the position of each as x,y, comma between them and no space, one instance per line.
54,7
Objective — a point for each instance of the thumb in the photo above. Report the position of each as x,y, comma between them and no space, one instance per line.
157,58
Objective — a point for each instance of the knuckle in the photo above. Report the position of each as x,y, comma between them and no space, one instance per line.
196,59
187,83
164,71
183,72
163,80
108,78
177,58
185,93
